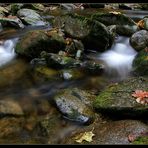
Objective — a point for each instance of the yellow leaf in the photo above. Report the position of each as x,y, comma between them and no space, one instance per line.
87,136
114,12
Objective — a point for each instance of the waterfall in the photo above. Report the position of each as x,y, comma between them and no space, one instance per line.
118,59
7,51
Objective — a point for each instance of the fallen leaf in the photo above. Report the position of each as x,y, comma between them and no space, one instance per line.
87,136
114,12
141,96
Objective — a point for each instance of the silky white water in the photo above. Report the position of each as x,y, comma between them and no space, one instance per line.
119,58
7,51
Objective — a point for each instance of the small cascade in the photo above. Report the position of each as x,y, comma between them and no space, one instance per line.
118,59
7,51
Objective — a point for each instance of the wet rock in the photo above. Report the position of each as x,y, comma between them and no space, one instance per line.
11,21
44,73
10,107
139,40
73,47
124,25
143,24
31,44
38,6
73,105
112,33
140,63
144,6
112,132
31,17
117,99
94,35
92,67
3,11
61,61
15,7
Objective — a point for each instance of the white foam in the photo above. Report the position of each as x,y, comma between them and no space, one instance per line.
119,58
7,51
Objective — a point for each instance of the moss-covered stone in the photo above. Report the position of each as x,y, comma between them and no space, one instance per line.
61,61
117,99
140,63
31,44
125,25
44,73
93,34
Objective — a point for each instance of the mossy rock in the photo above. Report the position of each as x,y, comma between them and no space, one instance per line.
44,73
93,34
125,25
61,61
33,42
117,99
140,63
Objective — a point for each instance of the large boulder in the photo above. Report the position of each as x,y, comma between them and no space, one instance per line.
33,42
93,34
125,25
139,40
31,17
117,99
140,63
75,105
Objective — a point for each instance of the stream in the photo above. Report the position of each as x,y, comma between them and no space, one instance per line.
33,96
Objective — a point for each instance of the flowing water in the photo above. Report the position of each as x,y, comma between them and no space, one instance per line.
29,93
119,58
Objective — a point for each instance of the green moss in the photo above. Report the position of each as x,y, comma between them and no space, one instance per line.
103,100
141,63
141,140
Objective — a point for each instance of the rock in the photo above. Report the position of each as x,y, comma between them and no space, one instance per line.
112,33
73,104
15,7
11,21
94,35
143,24
139,40
144,6
10,107
73,47
31,44
92,67
117,99
140,63
61,61
31,17
112,132
44,73
124,25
